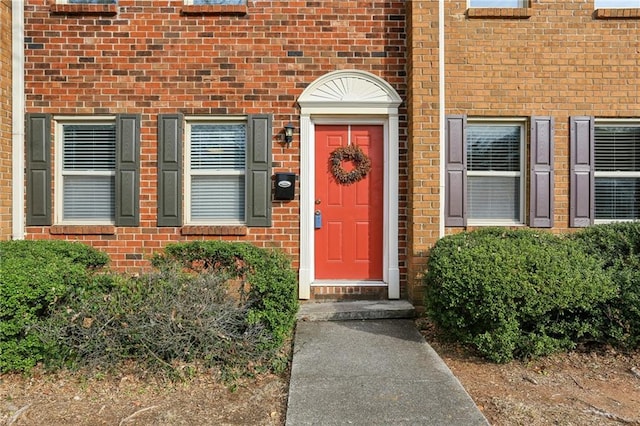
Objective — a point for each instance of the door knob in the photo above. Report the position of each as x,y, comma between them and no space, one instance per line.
318,201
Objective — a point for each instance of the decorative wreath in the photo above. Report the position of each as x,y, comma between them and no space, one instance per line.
352,153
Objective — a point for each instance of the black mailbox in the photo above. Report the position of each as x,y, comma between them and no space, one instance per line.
285,184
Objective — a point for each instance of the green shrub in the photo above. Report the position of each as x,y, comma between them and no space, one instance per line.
612,242
516,293
618,245
34,277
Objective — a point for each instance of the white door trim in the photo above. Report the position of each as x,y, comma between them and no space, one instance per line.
349,97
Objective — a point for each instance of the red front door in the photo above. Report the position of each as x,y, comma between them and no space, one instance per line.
348,244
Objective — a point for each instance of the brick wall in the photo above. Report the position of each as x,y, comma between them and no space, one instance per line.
422,102
149,58
558,58
5,120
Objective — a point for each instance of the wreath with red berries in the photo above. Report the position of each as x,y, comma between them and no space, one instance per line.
353,154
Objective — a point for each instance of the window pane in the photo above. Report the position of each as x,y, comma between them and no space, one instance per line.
604,4
495,198
218,146
617,148
88,197
497,3
617,198
221,149
493,148
89,147
217,198
86,149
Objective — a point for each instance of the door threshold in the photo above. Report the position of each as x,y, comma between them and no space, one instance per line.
348,283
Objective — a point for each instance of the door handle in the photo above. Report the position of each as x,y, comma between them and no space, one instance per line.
317,219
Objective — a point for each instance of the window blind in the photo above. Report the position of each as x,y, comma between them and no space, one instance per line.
493,148
89,147
494,198
493,172
89,162
218,146
617,167
617,198
89,197
617,148
217,198
217,165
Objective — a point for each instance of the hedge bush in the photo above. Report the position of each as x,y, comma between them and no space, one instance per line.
516,293
35,276
618,245
160,320
216,304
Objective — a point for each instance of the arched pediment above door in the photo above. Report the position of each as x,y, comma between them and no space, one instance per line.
350,89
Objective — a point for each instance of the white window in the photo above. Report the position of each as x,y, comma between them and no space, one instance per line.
617,4
617,170
498,3
495,177
215,172
86,168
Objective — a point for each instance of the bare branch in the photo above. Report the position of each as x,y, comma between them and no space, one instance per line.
126,419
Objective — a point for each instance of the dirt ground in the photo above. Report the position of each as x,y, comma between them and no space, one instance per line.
70,399
597,388
569,389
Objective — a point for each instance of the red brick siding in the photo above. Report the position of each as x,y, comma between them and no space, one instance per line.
560,61
5,120
151,58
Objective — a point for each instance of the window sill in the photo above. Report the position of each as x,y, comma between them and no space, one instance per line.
82,230
210,9
510,225
499,12
617,14
214,230
84,9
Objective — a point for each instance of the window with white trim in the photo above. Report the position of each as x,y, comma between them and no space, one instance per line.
498,3
617,170
215,172
86,164
617,4
495,177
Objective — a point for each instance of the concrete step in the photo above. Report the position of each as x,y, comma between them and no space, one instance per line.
356,310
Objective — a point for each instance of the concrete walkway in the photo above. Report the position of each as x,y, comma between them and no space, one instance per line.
370,372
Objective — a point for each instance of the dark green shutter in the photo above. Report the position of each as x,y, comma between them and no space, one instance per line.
456,171
38,153
127,169
258,182
170,170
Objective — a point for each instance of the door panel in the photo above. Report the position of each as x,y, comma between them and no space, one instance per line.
349,244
